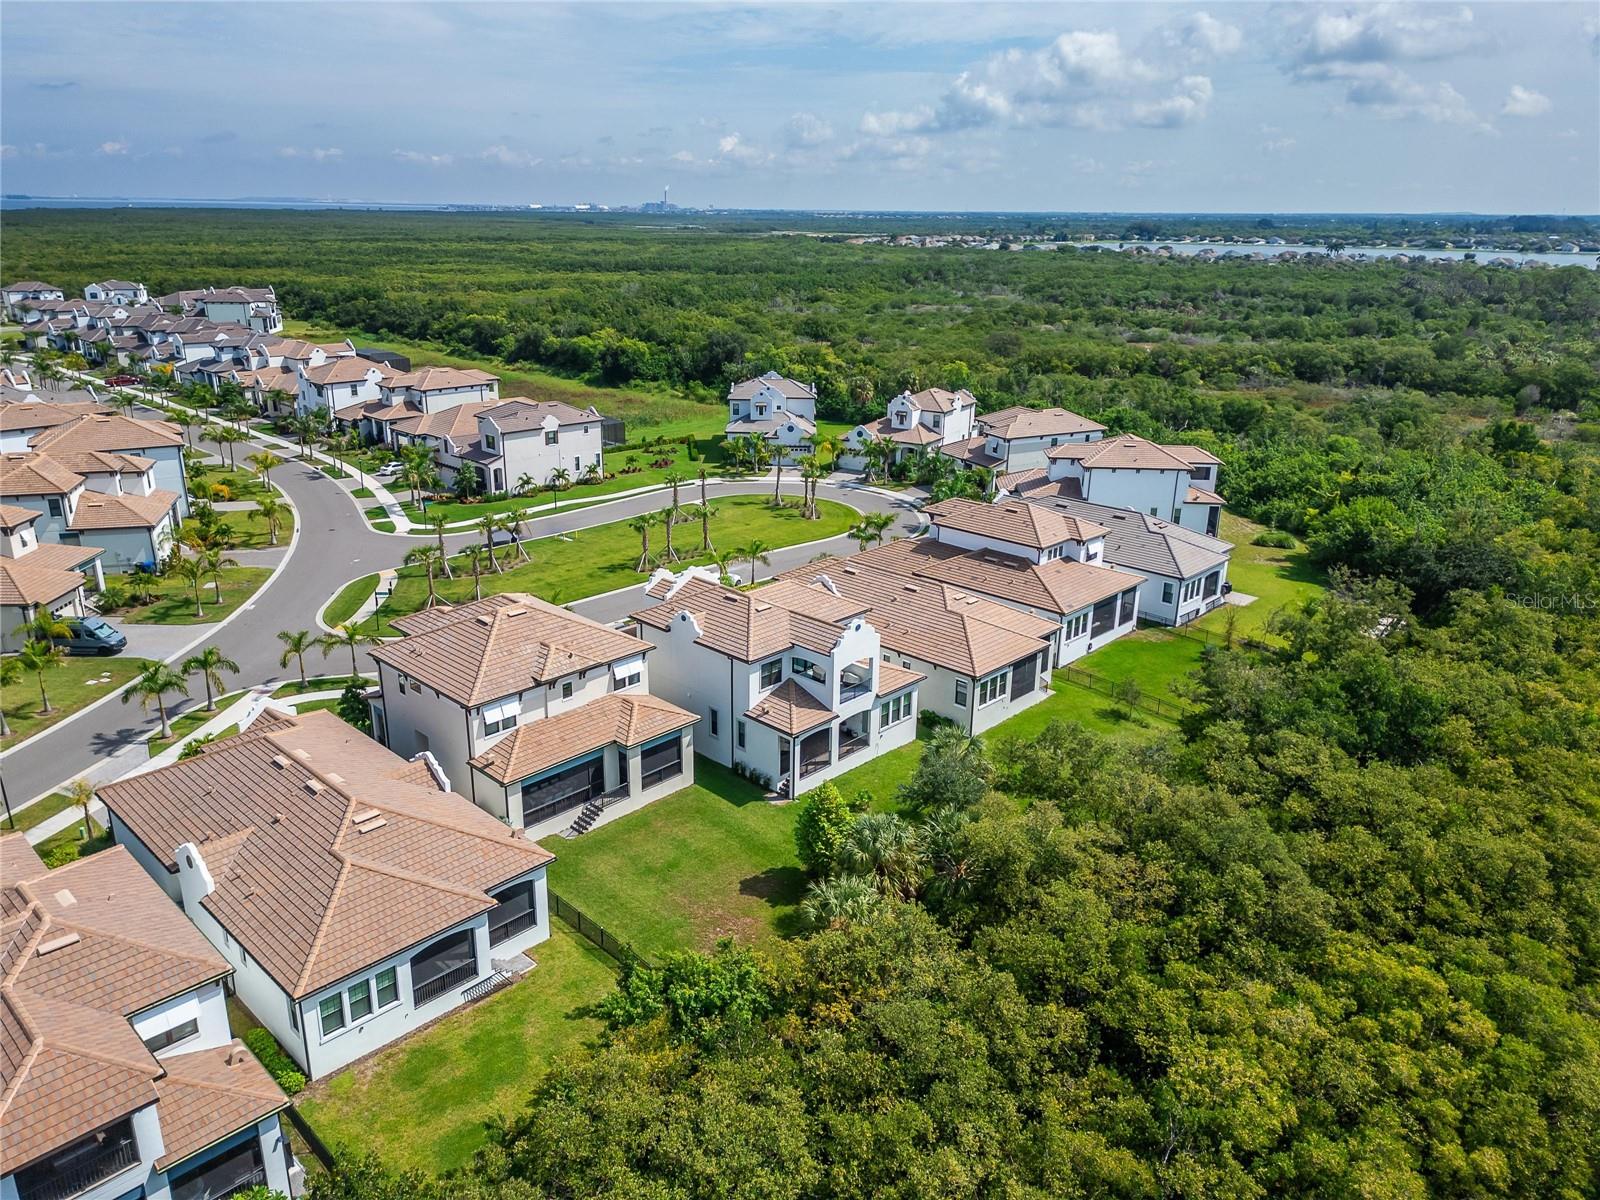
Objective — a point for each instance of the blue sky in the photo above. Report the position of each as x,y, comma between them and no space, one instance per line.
1126,106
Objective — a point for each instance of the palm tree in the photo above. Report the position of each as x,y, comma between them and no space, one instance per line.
559,479
840,901
883,847
46,627
304,427
193,572
263,462
702,513
642,526
474,555
428,558
271,510
82,793
152,687
352,638
10,674
225,436
811,471
296,642
777,476
123,402
512,523
209,664
724,559
525,484
489,525
215,560
869,530
757,552
436,522
668,517
40,657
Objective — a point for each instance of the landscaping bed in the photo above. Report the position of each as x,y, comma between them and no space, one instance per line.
174,602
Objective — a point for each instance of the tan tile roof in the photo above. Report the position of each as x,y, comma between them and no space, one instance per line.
1194,456
516,413
1012,521
23,581
438,379
790,709
941,400
344,370
62,556
107,431
1062,586
18,414
1200,496
973,452
793,389
14,517
313,893
96,510
615,719
82,948
375,410
1124,450
913,435
501,645
457,423
25,474
101,462
291,348
739,624
892,678
1021,481
1020,422
209,1095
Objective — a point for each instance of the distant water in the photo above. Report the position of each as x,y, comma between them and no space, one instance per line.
1554,257
10,202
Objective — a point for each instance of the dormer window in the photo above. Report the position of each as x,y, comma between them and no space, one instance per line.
761,410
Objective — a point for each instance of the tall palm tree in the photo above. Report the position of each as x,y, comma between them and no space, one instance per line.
264,461
511,523
559,479
215,560
883,847
758,552
642,526
350,637
272,511
489,525
777,476
428,558
40,657
702,513
437,522
525,484
669,552
152,687
295,644
82,793
193,572
123,402
209,664
811,472
474,555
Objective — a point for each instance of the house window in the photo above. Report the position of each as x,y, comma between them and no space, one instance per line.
388,987
892,712
772,672
1152,510
1203,474
566,690
447,962
961,693
577,462
490,442
360,997
516,912
714,720
499,717
1177,515
331,1011
550,436
546,795
1166,592
738,733
54,506
992,689
661,760
158,1042
761,410
804,666
225,1175
628,681
1077,626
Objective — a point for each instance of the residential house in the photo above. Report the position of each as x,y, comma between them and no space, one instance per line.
1017,438
254,308
354,895
780,411
434,389
24,290
1186,571
1176,483
117,291
37,578
340,383
110,497
521,440
450,434
22,415
159,441
541,717
915,424
789,681
120,1076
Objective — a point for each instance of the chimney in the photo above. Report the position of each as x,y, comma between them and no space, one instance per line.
194,877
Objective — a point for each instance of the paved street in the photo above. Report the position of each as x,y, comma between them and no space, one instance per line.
333,546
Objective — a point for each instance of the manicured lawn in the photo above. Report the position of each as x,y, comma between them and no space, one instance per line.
80,681
318,683
349,598
423,1102
241,484
1279,578
1155,658
66,846
1070,702
41,811
645,412
248,528
174,603
187,723
713,860
596,560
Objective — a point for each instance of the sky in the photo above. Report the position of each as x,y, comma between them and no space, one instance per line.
1128,107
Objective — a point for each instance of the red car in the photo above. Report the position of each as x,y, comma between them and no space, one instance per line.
122,380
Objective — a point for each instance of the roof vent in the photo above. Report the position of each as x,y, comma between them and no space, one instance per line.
313,786
277,818
911,587
237,1055
279,761
51,945
485,620
1011,509
514,612
332,778
762,606
302,755
366,814
377,823
65,898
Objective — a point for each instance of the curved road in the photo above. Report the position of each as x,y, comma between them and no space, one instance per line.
333,546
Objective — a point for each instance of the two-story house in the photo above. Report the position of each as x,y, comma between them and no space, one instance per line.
1174,483
254,308
343,382
109,497
114,433
22,415
37,578
120,1077
541,717
788,681
24,290
354,895
916,423
1017,438
522,442
780,411
117,291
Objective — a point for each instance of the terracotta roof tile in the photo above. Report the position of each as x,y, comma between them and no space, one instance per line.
107,431
790,709
1013,521
25,474
743,625
619,718
1021,422
97,510
1126,450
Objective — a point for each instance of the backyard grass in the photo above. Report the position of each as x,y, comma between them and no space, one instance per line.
710,861
79,682
424,1101
349,598
590,561
1155,658
1278,578
64,847
645,412
174,602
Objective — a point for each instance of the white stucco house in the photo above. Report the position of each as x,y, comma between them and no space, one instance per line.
36,578
780,411
522,439
121,1075
1017,438
24,290
117,291
113,433
355,896
915,423
110,499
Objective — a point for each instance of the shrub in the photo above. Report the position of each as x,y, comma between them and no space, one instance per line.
279,1065
824,820
1277,538
931,720
194,745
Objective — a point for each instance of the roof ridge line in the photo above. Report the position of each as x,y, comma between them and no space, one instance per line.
327,913
393,872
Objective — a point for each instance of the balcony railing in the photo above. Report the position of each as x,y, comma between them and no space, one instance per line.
849,690
68,1179
424,992
850,745
810,766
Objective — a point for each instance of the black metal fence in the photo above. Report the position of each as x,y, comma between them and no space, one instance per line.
1167,709
308,1137
594,932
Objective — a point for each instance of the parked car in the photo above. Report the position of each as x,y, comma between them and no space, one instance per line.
390,468
122,381
502,537
91,635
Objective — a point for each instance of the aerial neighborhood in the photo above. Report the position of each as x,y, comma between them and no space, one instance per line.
349,878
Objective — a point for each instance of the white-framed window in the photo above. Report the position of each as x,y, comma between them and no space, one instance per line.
357,1002
804,666
1166,592
738,733
892,712
992,688
628,681
1077,626
499,717
550,436
388,982
490,442
566,690
358,996
1191,589
714,720
961,693
331,1013
772,672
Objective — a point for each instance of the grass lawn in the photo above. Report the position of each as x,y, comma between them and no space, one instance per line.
349,598
76,684
1278,578
41,811
423,1102
1156,658
174,602
64,847
602,558
248,528
187,723
646,412
317,683
241,484
711,861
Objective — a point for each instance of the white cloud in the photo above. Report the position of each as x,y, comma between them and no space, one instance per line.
1378,33
318,154
806,129
424,159
1394,94
1202,36
1186,106
505,156
1279,145
1525,102
734,149
112,149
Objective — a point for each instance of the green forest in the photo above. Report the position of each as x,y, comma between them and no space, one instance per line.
1337,937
